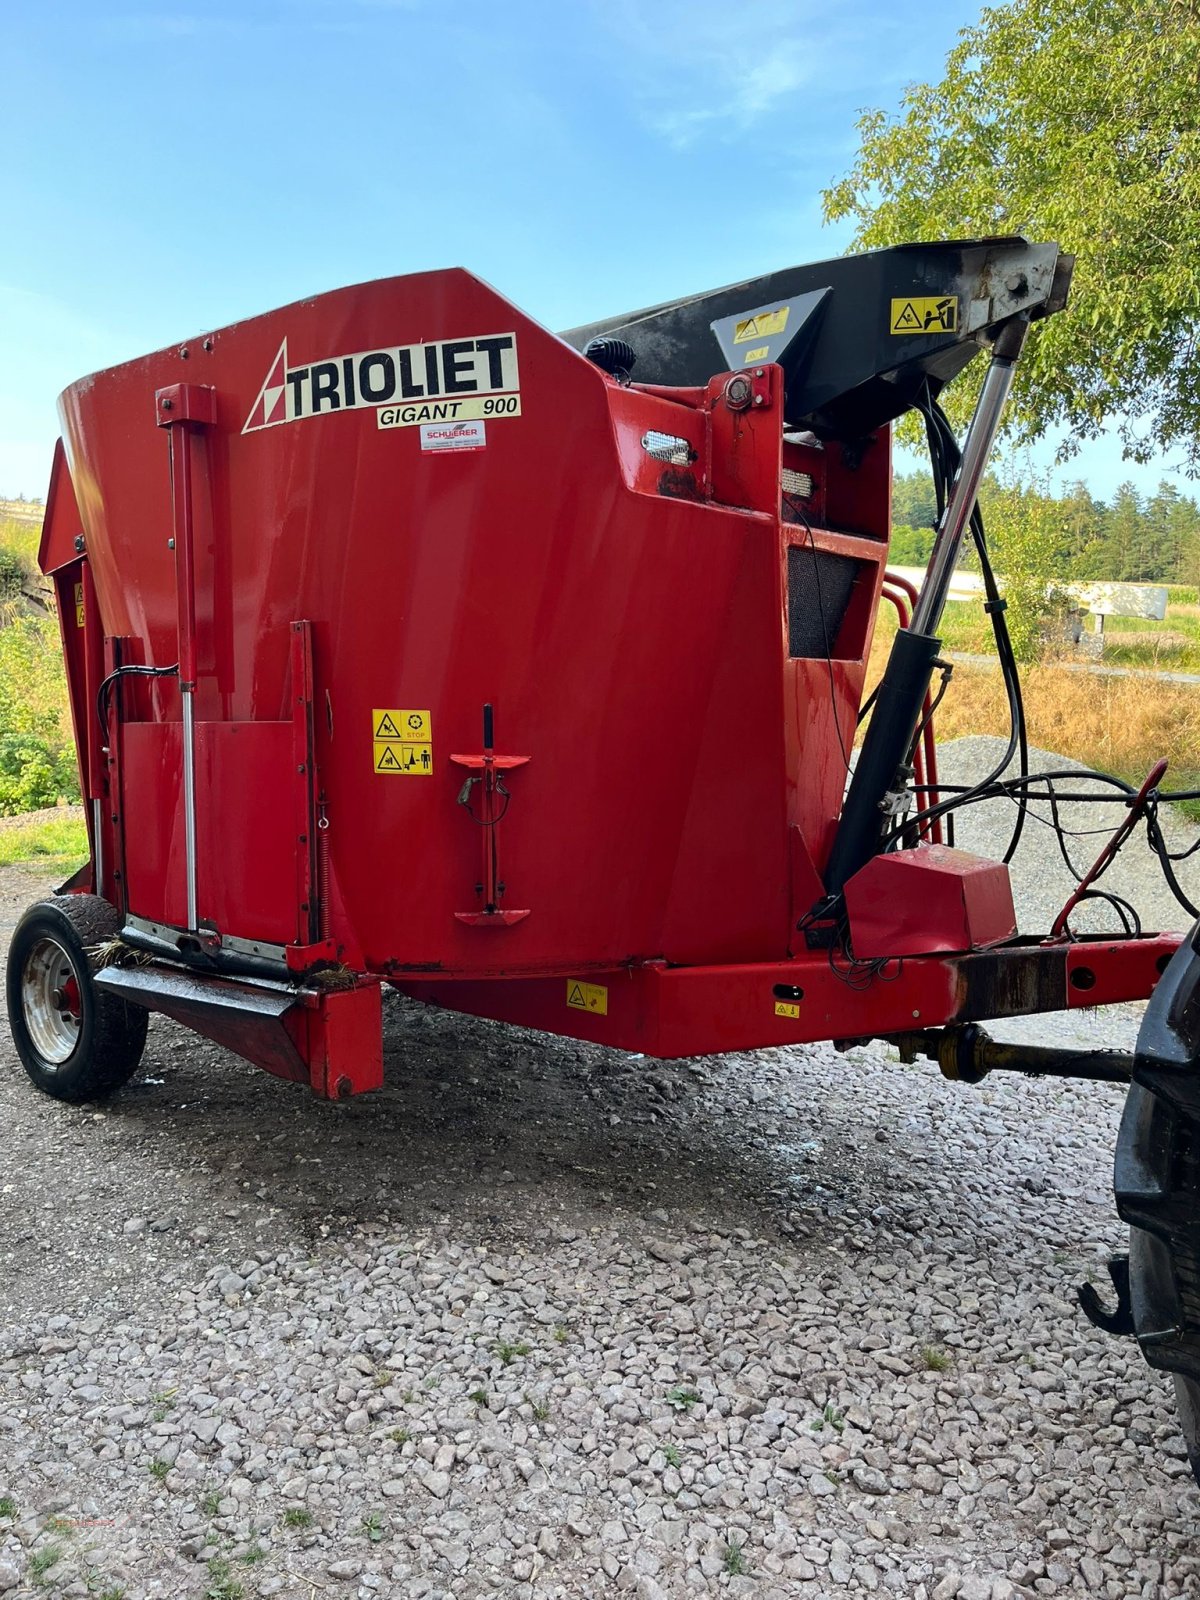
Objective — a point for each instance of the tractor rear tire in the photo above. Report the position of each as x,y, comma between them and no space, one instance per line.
1157,1183
75,1042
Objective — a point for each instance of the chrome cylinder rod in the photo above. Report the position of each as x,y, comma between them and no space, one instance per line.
98,844
977,450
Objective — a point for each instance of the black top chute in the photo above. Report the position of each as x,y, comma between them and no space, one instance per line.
857,337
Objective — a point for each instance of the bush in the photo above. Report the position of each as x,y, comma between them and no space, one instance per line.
37,751
14,577
910,547
33,774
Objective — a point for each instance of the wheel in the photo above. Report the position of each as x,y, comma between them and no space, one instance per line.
1157,1182
74,1041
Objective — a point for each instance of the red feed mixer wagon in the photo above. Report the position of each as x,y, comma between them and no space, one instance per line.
410,643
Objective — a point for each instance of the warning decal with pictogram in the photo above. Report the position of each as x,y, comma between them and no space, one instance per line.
925,314
402,743
587,997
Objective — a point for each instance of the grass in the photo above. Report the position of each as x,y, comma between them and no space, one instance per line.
934,1358
159,1469
1172,645
1117,725
373,1526
211,1503
508,1353
53,842
222,1585
672,1455
402,1435
252,1555
163,1401
8,1506
734,1560
478,1396
830,1417
297,1517
540,1408
42,1560
681,1399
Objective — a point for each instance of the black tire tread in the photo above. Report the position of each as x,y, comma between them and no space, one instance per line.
118,1035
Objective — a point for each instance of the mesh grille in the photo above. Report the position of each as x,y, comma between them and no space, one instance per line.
667,447
819,590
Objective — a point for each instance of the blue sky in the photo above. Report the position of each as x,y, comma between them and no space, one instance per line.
167,169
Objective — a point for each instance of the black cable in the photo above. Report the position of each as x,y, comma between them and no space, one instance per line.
945,459
1131,923
1158,844
993,788
860,975
1126,793
126,672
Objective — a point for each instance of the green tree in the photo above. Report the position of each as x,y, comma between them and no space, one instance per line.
1120,557
1083,530
1074,120
1171,525
1026,538
914,504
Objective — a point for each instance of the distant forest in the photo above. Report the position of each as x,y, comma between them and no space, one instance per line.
1135,538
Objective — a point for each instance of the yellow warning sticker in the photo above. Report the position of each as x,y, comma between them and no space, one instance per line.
402,743
587,997
411,726
925,314
786,1008
79,605
762,326
403,760
755,355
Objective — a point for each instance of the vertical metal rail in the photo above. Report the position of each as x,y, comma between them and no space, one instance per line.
92,746
183,409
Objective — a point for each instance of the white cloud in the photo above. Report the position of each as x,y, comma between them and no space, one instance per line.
701,65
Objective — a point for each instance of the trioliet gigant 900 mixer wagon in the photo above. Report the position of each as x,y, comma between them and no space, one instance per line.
410,643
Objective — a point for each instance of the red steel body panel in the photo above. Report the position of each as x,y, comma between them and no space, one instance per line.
647,803
683,1011
928,900
632,640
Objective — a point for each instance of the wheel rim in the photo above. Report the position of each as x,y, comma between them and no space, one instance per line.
51,1001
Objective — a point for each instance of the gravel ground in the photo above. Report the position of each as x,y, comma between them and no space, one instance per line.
541,1320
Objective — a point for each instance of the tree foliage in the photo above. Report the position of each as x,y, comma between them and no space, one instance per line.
1136,538
1074,120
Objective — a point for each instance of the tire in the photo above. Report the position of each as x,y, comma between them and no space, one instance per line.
1157,1182
74,1041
